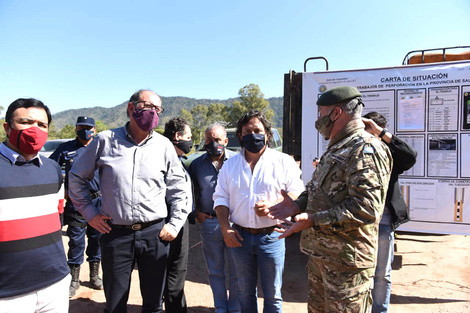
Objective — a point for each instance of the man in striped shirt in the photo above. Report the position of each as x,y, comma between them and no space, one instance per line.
34,275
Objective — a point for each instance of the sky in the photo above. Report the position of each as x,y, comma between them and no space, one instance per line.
78,54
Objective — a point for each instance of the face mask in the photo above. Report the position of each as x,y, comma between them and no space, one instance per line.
85,134
145,119
324,125
29,140
254,142
185,145
214,148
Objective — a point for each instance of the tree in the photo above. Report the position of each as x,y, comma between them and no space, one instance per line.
251,98
217,112
200,122
100,126
3,135
67,132
187,116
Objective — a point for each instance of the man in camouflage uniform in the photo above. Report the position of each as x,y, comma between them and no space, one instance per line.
342,205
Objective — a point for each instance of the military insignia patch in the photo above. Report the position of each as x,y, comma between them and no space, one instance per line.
369,150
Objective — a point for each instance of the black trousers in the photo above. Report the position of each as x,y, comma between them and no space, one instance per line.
177,266
120,250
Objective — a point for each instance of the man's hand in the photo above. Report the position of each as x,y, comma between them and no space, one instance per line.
230,237
100,223
168,233
201,216
302,221
372,127
287,207
262,207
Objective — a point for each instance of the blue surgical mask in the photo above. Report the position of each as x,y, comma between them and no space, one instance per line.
85,134
254,143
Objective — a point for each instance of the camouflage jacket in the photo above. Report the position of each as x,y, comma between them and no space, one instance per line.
346,197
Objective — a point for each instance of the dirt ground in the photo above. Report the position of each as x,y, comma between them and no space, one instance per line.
431,274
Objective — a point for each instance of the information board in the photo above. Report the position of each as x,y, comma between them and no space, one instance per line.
428,106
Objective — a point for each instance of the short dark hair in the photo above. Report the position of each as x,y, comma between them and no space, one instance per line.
26,103
248,116
378,118
173,126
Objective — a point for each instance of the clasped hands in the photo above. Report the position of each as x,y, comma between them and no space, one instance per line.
281,210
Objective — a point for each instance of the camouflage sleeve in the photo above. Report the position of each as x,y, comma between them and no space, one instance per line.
302,201
366,177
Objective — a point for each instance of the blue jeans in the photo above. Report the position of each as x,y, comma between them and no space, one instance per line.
383,271
215,250
264,253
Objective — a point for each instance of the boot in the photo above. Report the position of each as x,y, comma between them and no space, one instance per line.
95,280
75,283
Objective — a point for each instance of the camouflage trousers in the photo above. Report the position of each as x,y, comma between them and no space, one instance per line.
336,288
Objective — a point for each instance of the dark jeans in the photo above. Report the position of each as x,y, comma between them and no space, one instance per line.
177,266
76,236
120,250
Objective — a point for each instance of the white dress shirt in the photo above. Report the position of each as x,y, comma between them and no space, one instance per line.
239,189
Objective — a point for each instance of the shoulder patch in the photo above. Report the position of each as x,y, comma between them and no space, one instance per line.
369,150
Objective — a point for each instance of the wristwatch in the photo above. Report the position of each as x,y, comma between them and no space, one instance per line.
383,132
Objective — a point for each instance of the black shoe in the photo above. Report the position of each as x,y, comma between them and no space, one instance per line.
95,280
75,283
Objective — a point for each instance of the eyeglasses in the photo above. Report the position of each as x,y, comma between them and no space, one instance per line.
149,106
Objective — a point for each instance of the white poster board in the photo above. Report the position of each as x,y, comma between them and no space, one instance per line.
428,106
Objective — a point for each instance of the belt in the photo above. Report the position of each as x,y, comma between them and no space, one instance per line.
137,226
95,195
255,231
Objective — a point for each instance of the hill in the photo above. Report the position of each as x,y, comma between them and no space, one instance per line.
116,116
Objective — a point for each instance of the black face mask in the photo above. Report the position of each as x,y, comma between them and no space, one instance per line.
214,148
254,142
184,145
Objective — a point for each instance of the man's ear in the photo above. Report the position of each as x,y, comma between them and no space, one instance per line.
130,108
6,126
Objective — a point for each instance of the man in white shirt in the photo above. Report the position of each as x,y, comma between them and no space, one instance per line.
248,184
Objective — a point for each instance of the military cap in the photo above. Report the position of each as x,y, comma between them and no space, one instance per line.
338,94
84,120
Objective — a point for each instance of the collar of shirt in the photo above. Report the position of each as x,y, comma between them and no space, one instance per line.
14,156
129,137
347,130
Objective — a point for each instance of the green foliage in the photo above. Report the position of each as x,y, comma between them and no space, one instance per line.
199,122
251,98
3,135
67,132
217,112
100,126
187,116
52,133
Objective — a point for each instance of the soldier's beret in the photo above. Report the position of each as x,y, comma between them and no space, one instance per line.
338,94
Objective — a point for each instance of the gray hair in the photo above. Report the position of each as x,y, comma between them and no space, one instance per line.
353,108
216,125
